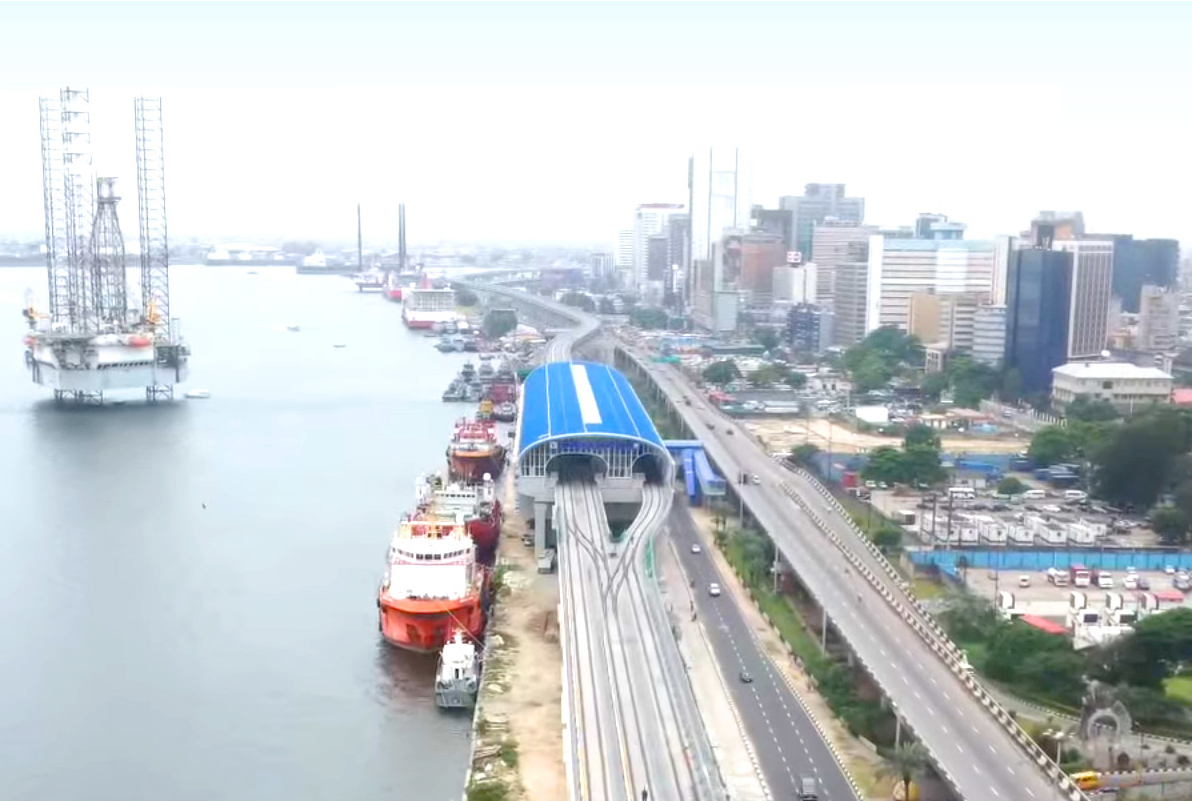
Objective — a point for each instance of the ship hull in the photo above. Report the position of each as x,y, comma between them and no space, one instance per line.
472,467
417,324
425,626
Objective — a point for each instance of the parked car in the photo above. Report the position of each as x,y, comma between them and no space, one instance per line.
1024,580
714,590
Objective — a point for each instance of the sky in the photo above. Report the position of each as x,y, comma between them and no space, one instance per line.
548,122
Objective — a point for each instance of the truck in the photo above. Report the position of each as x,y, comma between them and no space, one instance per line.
1057,577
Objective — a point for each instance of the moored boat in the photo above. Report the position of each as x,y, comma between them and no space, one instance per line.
457,679
477,503
475,451
432,585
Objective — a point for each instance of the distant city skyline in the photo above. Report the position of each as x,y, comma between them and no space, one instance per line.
499,123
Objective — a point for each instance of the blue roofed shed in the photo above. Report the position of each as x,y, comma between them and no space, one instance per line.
586,408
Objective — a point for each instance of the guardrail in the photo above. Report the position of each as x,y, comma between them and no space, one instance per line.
943,647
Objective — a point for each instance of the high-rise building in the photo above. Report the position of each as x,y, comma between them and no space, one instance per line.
945,320
852,285
1158,319
796,283
601,264
818,203
649,220
898,268
809,328
937,226
1138,262
829,246
1092,290
720,192
624,257
779,222
679,230
658,256
1038,296
989,334
761,254
1050,226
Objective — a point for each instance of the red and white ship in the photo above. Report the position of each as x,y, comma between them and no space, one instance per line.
477,503
475,451
433,585
423,306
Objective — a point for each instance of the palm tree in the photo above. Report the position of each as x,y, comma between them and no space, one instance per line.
908,761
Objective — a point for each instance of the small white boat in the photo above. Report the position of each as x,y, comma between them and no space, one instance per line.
198,393
339,345
457,679
293,328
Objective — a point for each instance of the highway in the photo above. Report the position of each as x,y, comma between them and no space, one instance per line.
786,741
971,748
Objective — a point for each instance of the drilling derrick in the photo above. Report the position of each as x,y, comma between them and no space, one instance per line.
92,340
107,254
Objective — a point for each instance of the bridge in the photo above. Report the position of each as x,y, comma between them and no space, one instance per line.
975,745
591,460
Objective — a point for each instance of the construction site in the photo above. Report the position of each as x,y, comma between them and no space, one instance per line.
107,327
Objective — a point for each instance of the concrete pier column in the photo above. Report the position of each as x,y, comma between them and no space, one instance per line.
541,517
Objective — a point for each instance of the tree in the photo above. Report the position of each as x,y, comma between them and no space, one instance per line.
972,381
1010,486
648,317
1140,458
884,464
1157,649
888,537
970,618
795,379
1171,524
499,322
1010,644
921,465
1058,673
769,374
766,338
580,301
466,297
919,434
805,454
724,371
1090,410
1050,445
908,761
935,384
607,306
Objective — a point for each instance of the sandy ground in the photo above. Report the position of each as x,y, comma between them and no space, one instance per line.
866,768
729,741
785,434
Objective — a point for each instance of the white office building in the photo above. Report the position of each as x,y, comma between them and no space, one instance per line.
1128,387
989,335
830,247
899,268
796,284
1092,290
649,219
1158,319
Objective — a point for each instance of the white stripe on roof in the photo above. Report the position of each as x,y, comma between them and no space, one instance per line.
589,410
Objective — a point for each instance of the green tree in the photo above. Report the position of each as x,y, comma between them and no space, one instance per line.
885,463
1171,524
935,384
970,618
1057,673
769,374
1050,445
579,300
795,379
908,761
1140,458
1009,645
972,381
919,434
606,305
1011,486
1090,410
805,454
888,537
648,317
1158,648
766,338
466,297
724,371
921,465
499,322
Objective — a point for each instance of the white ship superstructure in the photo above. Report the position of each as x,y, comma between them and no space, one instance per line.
424,306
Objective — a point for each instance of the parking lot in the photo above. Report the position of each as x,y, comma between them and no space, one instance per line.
932,518
1047,600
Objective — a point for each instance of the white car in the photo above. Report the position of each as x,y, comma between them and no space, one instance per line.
695,548
1131,581
714,590
1024,580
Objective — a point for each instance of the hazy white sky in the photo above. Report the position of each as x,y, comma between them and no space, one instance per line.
548,122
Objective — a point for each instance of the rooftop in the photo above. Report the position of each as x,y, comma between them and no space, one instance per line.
582,399
1109,371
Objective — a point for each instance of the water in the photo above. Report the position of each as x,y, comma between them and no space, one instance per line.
154,648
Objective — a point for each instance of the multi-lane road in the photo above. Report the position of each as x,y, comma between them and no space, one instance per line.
970,747
786,742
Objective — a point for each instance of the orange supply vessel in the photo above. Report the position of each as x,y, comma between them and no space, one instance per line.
432,585
475,451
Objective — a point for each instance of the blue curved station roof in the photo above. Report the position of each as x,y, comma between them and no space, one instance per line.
582,399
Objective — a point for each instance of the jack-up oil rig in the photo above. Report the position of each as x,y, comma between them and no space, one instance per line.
103,330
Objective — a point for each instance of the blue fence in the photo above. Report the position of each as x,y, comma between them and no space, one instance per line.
1040,559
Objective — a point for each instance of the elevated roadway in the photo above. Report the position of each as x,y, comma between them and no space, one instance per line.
974,747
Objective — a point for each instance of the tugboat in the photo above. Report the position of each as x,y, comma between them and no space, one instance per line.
458,678
454,393
505,412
